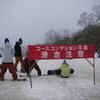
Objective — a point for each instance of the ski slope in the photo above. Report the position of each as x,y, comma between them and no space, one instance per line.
79,86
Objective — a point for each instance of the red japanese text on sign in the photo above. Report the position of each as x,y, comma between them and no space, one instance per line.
60,51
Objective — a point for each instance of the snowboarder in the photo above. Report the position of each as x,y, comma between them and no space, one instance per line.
18,55
64,70
29,67
7,60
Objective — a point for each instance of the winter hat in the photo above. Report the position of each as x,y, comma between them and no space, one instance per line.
64,62
20,40
6,40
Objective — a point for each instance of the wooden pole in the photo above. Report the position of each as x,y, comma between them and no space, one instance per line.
30,68
30,74
93,68
89,61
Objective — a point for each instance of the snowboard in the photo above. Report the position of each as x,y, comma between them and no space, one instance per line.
13,80
33,75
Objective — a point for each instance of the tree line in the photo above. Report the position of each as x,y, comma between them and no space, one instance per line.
88,34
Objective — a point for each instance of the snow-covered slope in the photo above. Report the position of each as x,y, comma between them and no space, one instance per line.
79,86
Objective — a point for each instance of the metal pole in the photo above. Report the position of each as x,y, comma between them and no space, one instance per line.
94,70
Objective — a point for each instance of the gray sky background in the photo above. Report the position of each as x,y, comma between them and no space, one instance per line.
31,19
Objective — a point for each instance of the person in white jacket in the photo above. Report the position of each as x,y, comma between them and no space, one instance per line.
7,60
96,55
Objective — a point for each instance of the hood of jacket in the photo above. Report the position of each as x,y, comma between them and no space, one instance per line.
7,44
18,43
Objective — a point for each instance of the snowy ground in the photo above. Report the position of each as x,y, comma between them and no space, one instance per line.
79,86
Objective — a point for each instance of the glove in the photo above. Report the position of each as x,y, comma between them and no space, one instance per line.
0,65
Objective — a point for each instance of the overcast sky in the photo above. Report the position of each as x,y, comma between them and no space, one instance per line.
31,19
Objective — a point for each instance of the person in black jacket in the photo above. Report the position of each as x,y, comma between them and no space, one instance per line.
18,54
29,65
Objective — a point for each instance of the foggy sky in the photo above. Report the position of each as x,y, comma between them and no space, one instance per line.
31,19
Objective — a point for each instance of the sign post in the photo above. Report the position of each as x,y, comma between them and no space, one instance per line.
44,52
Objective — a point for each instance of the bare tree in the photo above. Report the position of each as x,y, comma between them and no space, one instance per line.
66,32
90,19
86,19
83,20
96,14
51,36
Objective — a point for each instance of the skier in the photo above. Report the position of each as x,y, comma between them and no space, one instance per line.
28,67
7,60
18,55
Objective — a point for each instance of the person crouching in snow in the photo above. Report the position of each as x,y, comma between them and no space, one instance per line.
7,60
64,70
29,65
